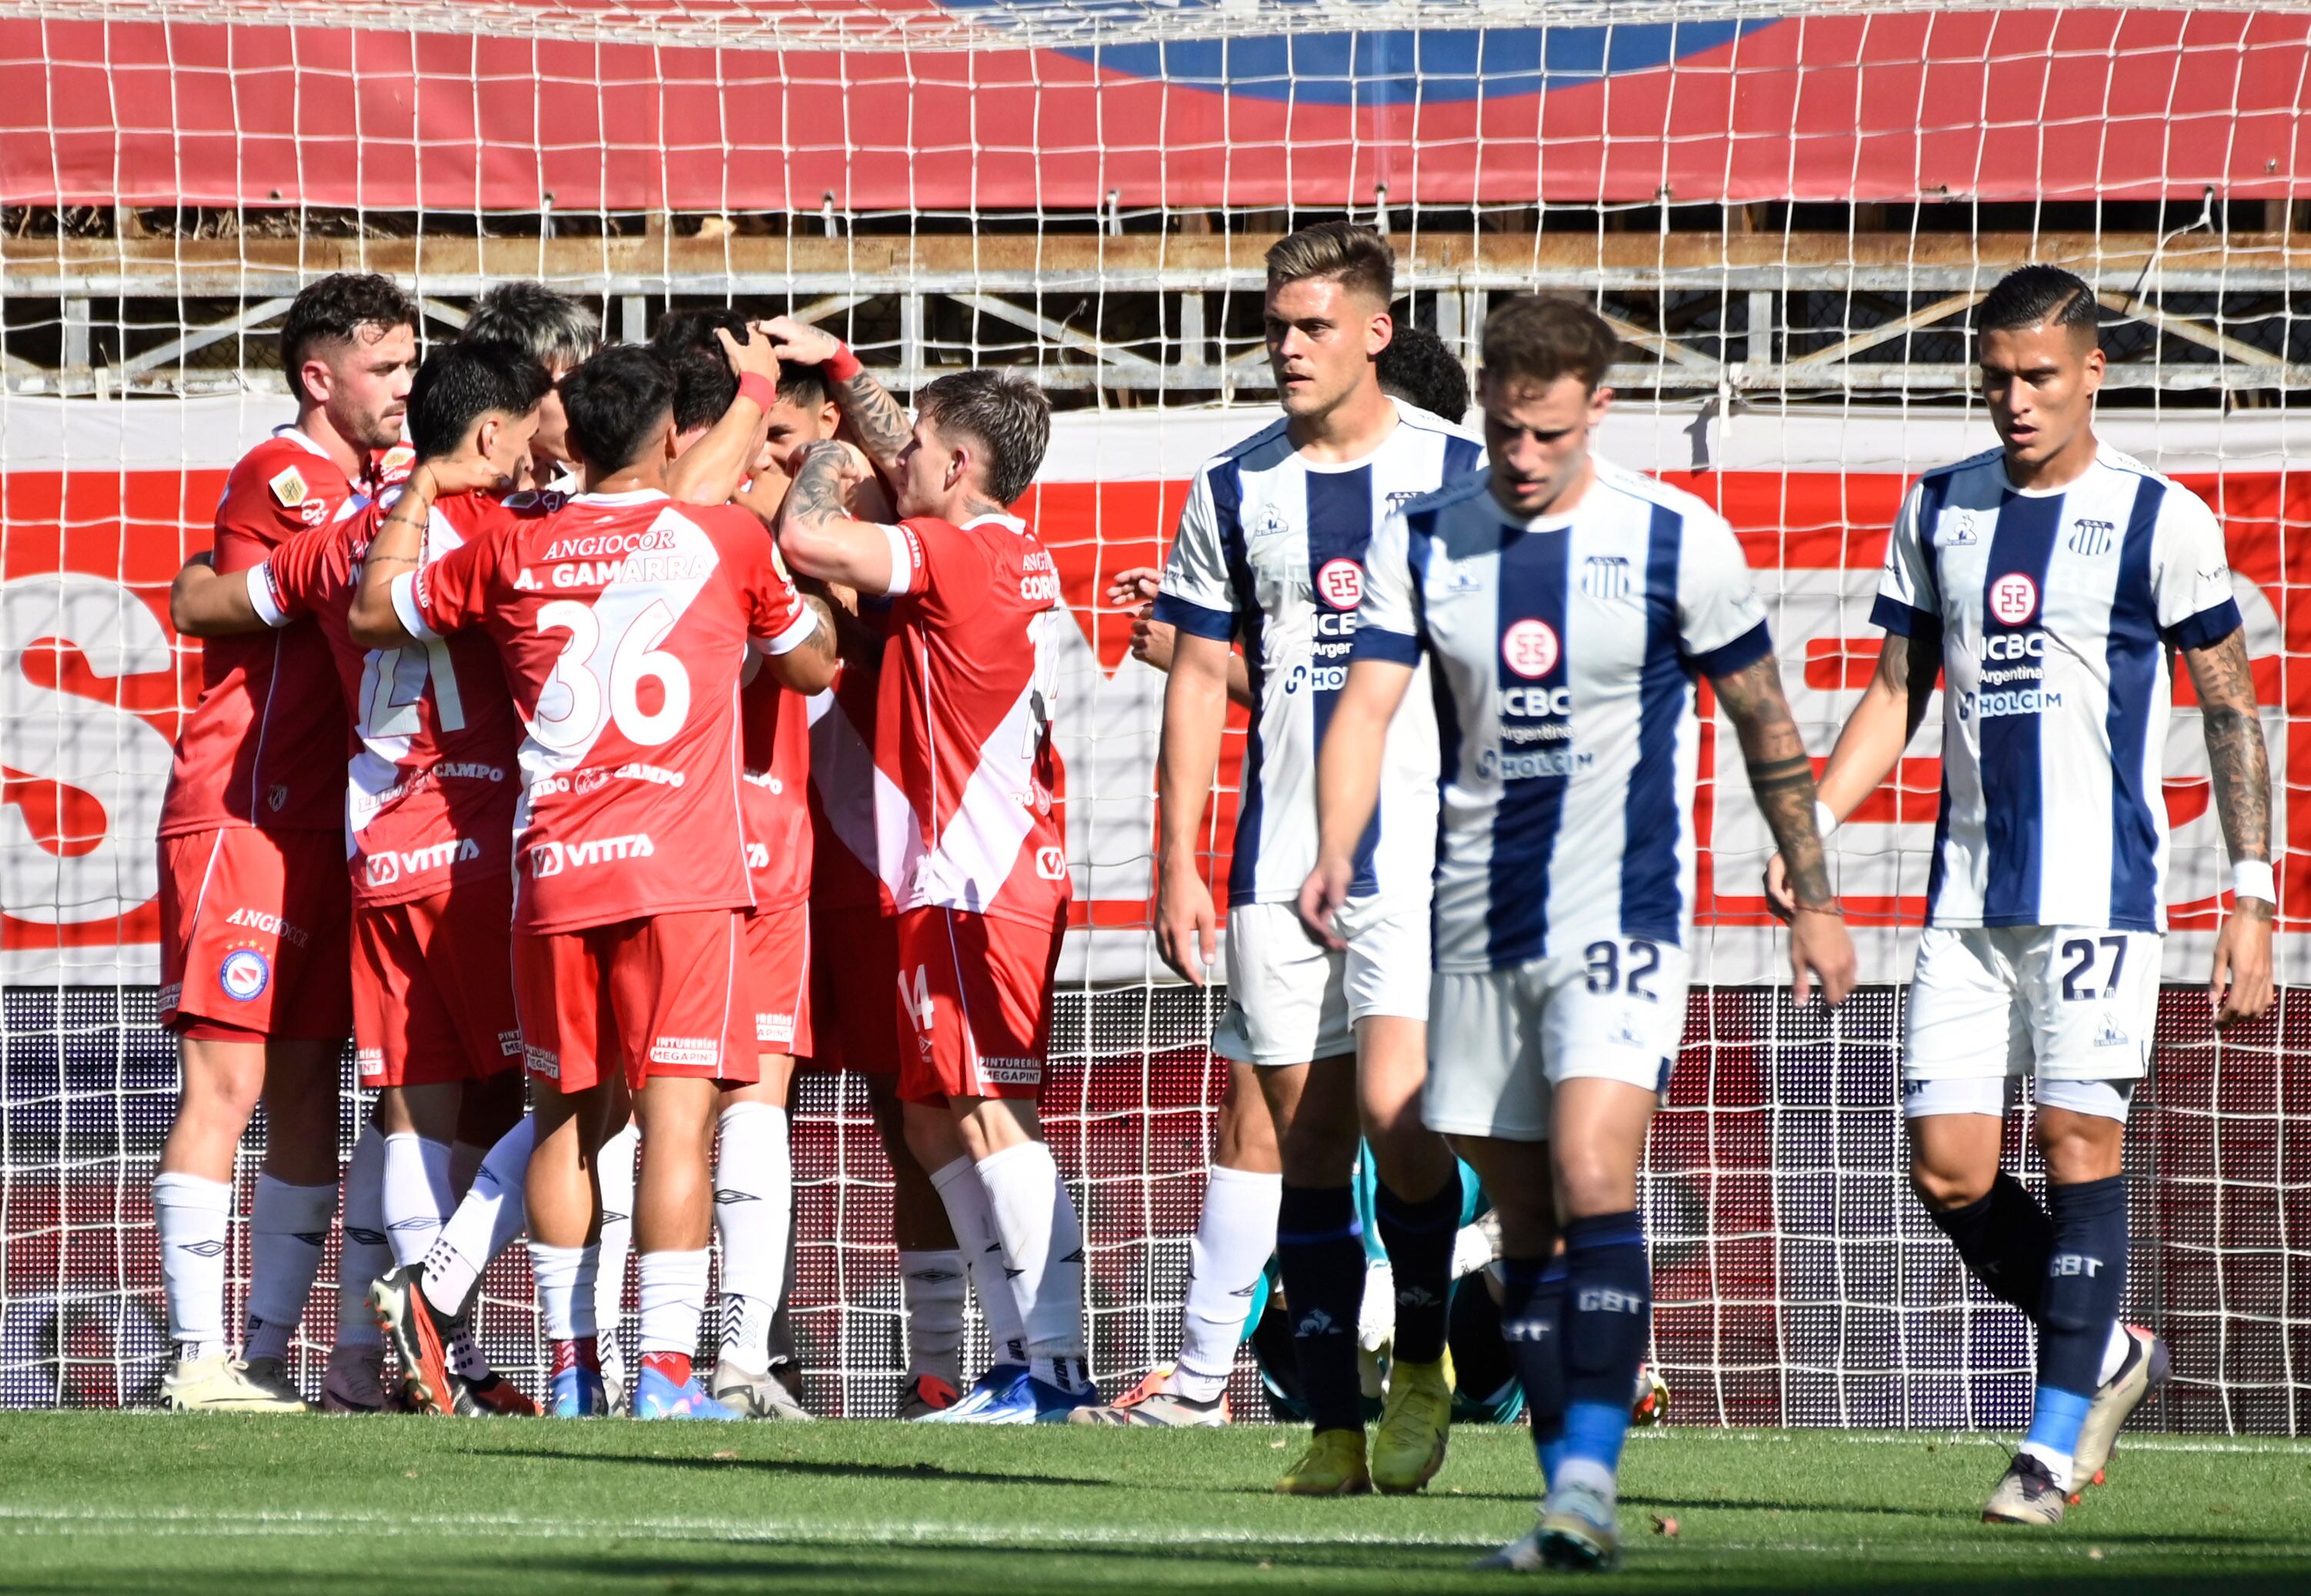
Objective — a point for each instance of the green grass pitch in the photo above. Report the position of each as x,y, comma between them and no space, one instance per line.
129,1502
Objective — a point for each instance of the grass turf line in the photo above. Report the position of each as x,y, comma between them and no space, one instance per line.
142,1501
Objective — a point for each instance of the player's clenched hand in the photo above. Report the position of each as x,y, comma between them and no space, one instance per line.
460,474
1321,895
1187,927
799,341
1820,955
2240,987
1779,898
852,467
757,357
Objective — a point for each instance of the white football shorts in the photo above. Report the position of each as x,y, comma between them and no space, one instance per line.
1500,1040
1292,1001
2061,1002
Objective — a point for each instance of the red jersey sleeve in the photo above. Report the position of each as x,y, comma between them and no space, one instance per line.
451,593
949,570
302,576
777,619
275,493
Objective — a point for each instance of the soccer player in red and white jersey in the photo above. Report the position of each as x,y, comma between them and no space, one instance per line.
968,787
623,622
253,894
429,821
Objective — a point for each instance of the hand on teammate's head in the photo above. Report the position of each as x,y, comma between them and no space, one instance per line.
757,357
799,341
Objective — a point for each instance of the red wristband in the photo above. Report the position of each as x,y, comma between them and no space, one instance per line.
760,389
842,365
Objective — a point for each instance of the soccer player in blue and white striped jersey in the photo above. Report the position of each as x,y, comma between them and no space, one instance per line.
1565,608
2048,580
1270,550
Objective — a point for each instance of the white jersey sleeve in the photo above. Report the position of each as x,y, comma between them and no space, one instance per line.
1386,626
1719,619
2191,574
1905,587
1197,595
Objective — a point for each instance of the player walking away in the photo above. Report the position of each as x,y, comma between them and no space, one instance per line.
2046,580
429,812
1322,1043
1566,607
968,786
622,621
253,895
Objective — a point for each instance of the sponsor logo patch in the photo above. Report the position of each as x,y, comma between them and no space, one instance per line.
541,1061
2014,598
1530,649
244,975
289,489
1012,1072
1341,583
698,1052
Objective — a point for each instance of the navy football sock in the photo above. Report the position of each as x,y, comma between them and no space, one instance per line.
1319,1251
1419,1238
1608,1314
2085,1279
1532,1326
2005,1239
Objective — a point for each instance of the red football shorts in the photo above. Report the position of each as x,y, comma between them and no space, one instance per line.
433,988
778,979
853,1014
665,994
976,991
254,933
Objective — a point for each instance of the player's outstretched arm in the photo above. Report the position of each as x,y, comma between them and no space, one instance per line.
1194,715
399,541
711,469
881,425
1781,776
817,536
203,603
1348,786
1152,639
1880,726
2239,988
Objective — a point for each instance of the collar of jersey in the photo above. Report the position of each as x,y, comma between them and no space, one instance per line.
631,496
296,434
1327,467
1012,521
2006,477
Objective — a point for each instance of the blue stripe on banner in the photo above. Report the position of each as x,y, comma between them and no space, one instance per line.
2133,657
1420,547
1532,591
1340,532
1228,508
2014,785
1652,904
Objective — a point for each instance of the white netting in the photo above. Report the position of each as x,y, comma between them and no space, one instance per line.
1787,213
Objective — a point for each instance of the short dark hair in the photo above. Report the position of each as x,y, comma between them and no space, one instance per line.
1418,368
804,386
1005,413
462,382
1540,338
333,310
2038,296
617,402
1353,257
555,329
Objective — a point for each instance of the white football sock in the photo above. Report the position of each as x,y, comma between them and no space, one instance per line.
416,1193
673,1300
2114,1352
288,1226
194,1216
754,1208
973,1224
1042,1255
616,1167
488,1218
1235,1235
362,1252
933,1286
566,1289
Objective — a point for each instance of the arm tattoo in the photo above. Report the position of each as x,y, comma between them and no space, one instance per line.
2236,755
816,493
883,427
1781,775
1913,668
821,641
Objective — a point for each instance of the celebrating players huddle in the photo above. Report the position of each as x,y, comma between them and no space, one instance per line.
638,673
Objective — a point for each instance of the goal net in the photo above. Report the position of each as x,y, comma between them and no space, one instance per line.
1787,213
